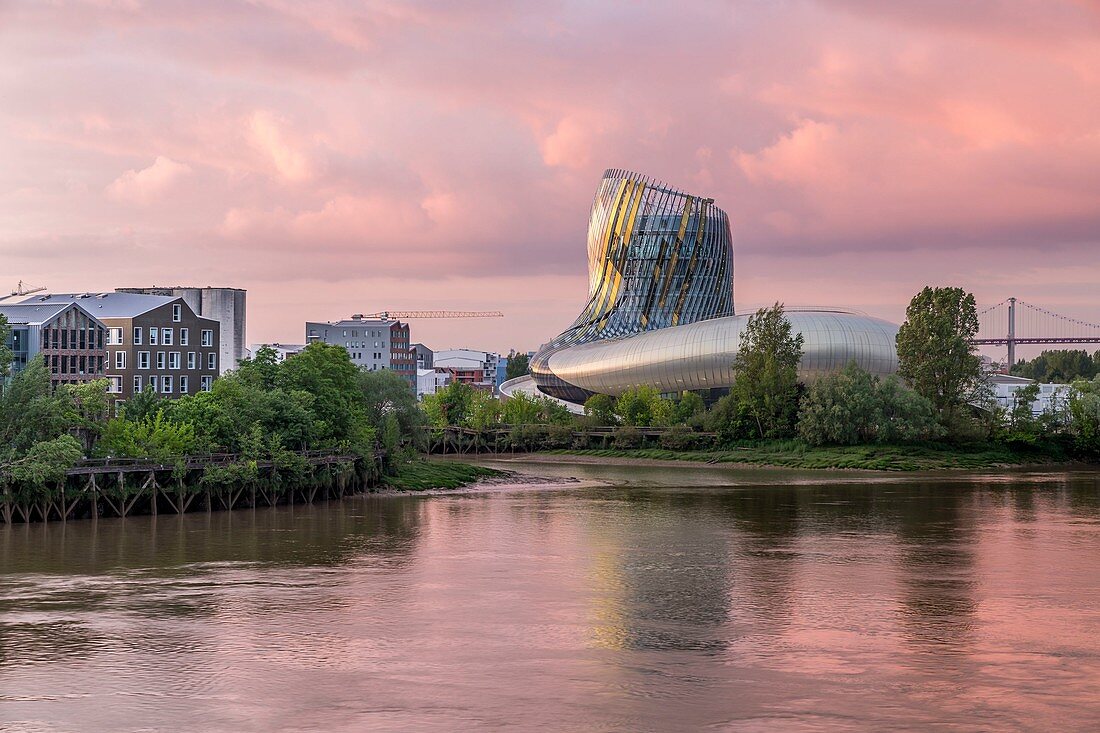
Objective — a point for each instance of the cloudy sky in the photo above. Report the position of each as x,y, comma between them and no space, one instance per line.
354,156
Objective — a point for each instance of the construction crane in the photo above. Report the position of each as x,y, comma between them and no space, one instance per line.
389,315
22,289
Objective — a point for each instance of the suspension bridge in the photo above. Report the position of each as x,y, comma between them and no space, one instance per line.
1012,322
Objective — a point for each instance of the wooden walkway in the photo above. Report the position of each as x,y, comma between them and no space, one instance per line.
119,486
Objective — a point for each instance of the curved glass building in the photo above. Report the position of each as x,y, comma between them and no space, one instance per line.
660,303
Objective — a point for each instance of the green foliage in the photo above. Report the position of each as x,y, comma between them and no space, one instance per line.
1084,409
44,464
935,355
1061,366
150,437
5,352
689,407
627,437
391,408
854,407
732,420
450,405
644,407
766,385
518,365
600,409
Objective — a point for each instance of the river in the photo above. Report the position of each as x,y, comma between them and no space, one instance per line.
667,598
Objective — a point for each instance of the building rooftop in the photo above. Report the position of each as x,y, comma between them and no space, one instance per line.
31,314
100,305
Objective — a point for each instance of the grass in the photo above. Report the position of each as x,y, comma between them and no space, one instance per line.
424,475
795,454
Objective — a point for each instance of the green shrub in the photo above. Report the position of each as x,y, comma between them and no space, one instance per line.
627,437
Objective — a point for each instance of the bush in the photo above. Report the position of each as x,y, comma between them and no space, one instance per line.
679,437
855,407
627,437
732,420
559,436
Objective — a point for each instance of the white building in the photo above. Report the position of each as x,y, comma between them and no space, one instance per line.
468,360
282,351
429,381
1051,396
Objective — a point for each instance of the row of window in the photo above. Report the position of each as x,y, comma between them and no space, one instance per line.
75,364
170,358
164,384
72,338
160,336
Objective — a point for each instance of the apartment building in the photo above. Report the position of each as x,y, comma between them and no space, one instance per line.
71,341
372,344
152,341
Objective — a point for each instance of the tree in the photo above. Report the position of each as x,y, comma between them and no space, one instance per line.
1062,366
5,352
935,354
855,407
518,365
600,408
766,372
689,406
150,437
1084,410
388,395
643,406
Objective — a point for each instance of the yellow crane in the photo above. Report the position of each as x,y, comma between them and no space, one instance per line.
388,315
22,289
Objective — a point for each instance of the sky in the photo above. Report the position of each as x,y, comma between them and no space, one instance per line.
343,157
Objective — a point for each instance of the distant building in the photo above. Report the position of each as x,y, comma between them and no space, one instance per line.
476,368
1052,397
429,381
372,344
282,351
71,341
152,341
225,305
424,356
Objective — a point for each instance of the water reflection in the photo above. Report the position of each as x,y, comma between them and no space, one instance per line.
674,599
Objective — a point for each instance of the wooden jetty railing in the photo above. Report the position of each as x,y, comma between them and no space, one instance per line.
119,486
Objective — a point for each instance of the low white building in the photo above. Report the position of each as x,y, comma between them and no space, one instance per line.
282,351
1051,397
468,361
429,381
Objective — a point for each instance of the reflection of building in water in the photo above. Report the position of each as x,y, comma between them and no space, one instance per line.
938,530
662,578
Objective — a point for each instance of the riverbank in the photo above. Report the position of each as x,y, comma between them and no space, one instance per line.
422,475
794,454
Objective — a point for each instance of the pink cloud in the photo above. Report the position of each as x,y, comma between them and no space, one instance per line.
147,184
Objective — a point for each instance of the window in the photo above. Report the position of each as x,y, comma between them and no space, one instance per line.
154,382
190,359
207,337
174,360
211,360
184,337
120,360
153,333
183,384
166,336
114,385
137,335
166,384
114,336
160,360
205,381
177,313
143,360
137,384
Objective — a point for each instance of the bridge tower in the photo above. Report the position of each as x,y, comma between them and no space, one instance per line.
1011,333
